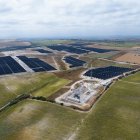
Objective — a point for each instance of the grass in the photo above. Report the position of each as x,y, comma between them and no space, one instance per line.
101,55
120,44
49,42
12,86
135,78
35,120
116,115
104,63
52,85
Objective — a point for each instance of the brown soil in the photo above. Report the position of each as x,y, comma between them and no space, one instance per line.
73,75
130,57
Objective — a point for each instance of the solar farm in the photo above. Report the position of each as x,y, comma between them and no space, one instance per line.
36,64
78,49
13,48
64,82
73,62
43,51
107,72
9,66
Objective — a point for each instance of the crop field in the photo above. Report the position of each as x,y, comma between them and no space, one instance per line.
51,86
130,57
103,63
14,85
120,44
35,120
101,55
116,115
11,43
50,42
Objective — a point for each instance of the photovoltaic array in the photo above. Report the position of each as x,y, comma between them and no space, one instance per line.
69,49
74,62
77,49
14,48
43,51
8,66
107,72
36,64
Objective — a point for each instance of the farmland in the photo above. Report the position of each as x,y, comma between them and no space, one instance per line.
38,121
12,86
113,115
116,115
130,57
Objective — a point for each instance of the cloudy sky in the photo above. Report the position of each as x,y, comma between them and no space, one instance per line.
69,18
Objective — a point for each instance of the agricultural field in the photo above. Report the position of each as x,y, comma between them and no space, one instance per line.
10,43
14,85
119,44
52,85
104,63
116,115
103,55
34,120
49,42
130,57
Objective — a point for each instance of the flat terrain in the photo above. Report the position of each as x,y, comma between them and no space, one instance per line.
52,85
34,120
50,42
10,43
130,57
116,115
104,63
14,85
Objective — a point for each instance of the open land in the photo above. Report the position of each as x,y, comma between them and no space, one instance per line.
130,57
116,115
113,114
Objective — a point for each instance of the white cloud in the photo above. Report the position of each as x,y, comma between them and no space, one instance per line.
24,18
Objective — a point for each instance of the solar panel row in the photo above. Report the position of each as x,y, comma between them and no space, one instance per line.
107,72
43,51
8,66
78,49
36,64
69,49
74,62
98,50
13,48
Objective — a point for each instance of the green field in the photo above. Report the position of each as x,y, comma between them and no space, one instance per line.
34,120
14,85
49,42
101,55
105,63
119,44
51,86
116,116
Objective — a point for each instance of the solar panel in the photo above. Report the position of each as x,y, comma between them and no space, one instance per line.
107,72
74,62
43,51
13,48
8,66
78,49
69,49
36,64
